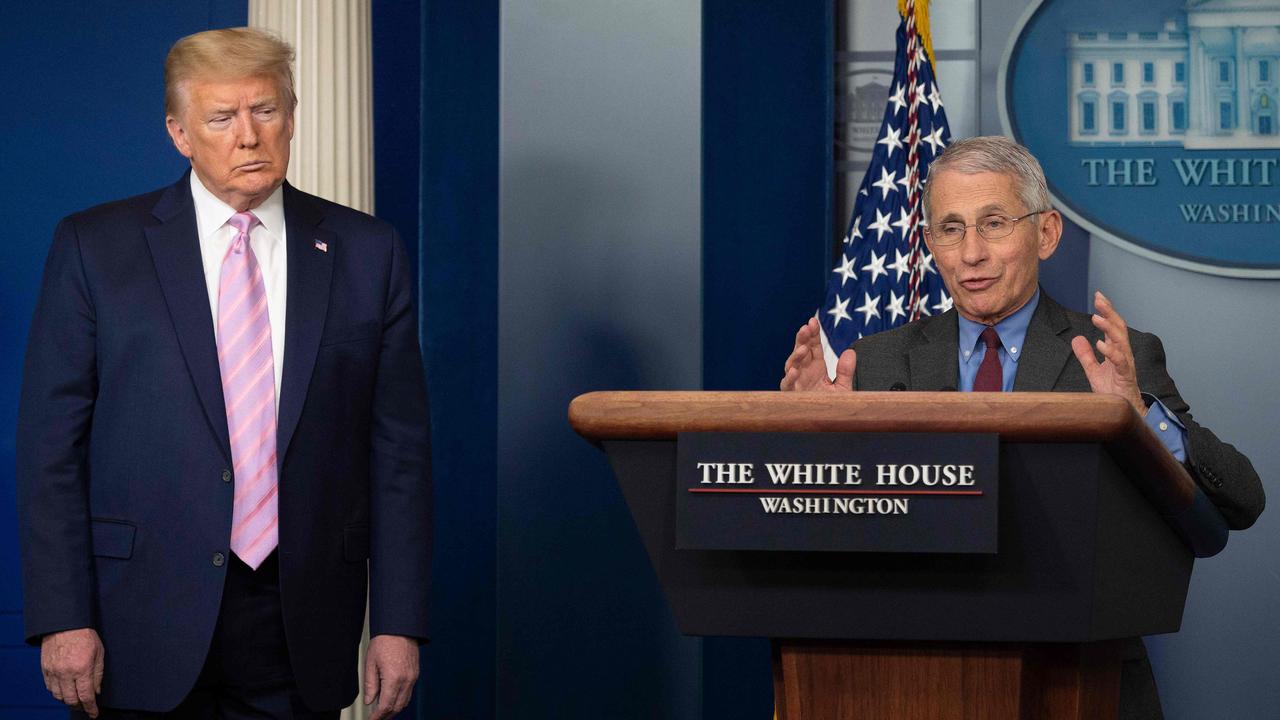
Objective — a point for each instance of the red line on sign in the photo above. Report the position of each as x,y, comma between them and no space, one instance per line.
836,492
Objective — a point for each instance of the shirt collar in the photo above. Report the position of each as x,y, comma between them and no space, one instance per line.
212,213
1012,330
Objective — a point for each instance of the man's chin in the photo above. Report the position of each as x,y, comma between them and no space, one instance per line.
258,191
979,313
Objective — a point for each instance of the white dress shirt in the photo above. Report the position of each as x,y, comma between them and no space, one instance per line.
267,239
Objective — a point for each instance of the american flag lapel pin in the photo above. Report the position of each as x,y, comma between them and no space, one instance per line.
322,246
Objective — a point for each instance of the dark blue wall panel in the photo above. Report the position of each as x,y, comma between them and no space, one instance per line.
85,125
396,30
397,116
459,290
767,175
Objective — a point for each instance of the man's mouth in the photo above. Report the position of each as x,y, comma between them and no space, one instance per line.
977,284
252,166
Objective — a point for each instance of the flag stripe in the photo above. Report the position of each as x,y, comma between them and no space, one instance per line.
885,275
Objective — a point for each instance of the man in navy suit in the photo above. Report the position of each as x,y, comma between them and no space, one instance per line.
223,434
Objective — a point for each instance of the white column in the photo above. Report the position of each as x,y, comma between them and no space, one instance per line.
1195,84
1244,114
332,153
1208,105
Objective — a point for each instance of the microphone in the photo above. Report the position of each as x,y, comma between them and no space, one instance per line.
897,386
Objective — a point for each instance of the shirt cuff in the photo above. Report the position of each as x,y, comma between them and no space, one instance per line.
1167,427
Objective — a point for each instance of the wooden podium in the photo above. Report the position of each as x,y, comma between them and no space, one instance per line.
1098,527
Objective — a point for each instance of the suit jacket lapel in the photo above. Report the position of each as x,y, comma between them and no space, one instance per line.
310,272
933,364
1045,352
175,250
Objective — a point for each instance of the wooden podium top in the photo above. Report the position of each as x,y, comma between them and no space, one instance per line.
1016,417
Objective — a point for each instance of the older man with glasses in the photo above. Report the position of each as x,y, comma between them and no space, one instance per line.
990,223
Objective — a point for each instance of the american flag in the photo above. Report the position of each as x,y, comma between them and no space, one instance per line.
885,276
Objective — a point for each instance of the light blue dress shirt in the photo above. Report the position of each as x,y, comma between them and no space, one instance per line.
1013,332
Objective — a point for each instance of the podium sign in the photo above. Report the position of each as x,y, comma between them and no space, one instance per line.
852,492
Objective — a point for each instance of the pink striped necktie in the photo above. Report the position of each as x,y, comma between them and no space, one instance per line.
249,390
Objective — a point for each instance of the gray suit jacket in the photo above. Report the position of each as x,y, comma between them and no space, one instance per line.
923,355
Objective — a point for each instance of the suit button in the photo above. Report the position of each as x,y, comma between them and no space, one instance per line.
226,476
219,559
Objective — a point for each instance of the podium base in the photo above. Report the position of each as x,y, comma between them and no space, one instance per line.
845,680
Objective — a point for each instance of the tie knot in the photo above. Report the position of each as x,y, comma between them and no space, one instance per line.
243,221
991,338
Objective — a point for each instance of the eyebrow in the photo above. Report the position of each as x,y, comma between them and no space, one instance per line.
989,209
256,104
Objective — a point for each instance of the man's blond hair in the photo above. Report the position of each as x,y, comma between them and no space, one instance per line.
228,54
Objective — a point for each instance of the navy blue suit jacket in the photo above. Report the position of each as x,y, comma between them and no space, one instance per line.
124,489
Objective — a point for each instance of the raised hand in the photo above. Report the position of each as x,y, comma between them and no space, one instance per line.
806,369
1116,374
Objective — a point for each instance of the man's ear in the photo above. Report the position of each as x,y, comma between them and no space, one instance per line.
928,241
178,134
1050,233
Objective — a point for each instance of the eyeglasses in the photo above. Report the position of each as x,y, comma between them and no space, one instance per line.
991,228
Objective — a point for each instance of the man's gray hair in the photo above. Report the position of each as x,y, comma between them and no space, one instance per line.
999,154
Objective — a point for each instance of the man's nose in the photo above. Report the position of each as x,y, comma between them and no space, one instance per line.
973,249
246,132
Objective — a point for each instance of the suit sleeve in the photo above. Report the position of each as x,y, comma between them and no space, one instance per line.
1224,474
400,474
54,415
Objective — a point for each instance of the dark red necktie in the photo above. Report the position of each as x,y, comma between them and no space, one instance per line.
990,375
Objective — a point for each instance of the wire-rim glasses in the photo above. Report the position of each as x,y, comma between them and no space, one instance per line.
990,228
